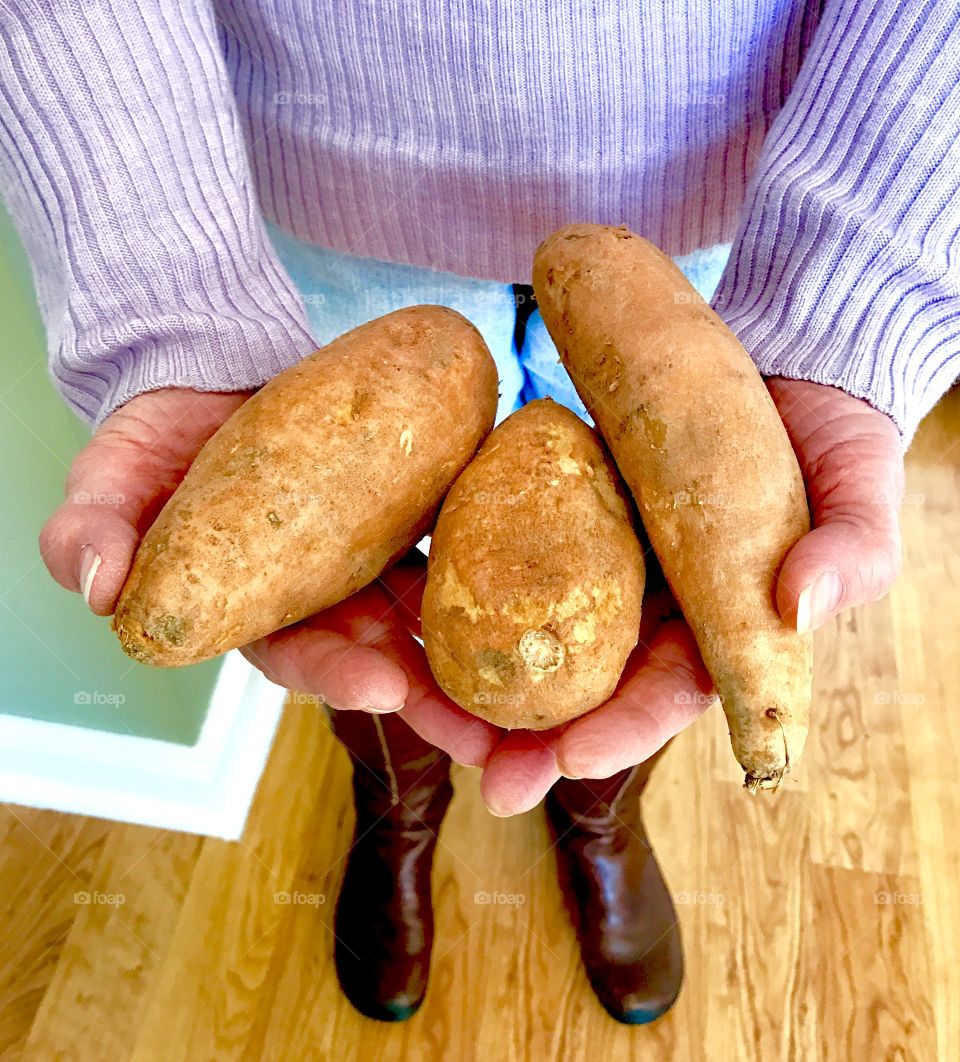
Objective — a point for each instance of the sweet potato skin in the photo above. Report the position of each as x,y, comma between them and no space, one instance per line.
535,575
312,488
699,441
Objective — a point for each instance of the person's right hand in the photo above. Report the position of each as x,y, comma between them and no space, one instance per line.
120,481
359,654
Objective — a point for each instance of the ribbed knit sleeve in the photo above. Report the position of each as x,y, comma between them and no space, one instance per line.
123,167
846,266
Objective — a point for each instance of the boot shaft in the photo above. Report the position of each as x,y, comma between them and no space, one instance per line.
397,776
600,803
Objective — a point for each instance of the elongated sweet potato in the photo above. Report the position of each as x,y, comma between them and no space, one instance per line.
532,602
697,437
316,484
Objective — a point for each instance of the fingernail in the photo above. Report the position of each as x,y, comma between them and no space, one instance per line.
378,709
818,601
498,814
90,562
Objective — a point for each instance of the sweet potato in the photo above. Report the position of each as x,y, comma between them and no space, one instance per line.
535,575
697,437
315,485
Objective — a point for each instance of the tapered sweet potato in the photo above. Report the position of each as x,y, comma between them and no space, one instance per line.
315,485
697,437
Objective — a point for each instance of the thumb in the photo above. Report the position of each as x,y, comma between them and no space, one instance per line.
119,482
851,456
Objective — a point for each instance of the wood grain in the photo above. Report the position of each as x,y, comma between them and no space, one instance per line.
821,922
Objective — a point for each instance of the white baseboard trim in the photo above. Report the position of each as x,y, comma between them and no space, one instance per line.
205,788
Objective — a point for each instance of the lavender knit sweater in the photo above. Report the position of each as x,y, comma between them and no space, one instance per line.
140,140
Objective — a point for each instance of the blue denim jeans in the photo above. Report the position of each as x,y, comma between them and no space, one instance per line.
340,291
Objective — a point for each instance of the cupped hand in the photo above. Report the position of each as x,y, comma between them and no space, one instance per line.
120,481
851,457
359,654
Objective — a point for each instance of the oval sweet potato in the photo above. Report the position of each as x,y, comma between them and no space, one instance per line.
535,575
317,483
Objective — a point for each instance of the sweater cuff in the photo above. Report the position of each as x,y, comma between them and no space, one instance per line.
891,337
236,341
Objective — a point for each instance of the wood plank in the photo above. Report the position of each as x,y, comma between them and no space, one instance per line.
118,939
866,968
204,998
45,860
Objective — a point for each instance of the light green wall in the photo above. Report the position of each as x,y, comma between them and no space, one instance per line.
53,653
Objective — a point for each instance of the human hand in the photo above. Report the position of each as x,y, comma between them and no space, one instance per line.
851,457
358,654
120,481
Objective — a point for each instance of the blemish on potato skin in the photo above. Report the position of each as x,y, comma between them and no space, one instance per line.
541,650
495,666
246,461
167,628
273,519
357,403
131,645
654,429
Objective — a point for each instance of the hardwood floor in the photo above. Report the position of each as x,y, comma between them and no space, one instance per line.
822,922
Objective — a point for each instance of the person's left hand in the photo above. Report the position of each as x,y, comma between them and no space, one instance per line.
851,457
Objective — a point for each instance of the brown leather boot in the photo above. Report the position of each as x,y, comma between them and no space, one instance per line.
384,917
620,905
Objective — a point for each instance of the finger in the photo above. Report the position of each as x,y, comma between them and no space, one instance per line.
664,688
850,560
430,712
463,737
358,656
119,482
520,772
851,457
343,654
